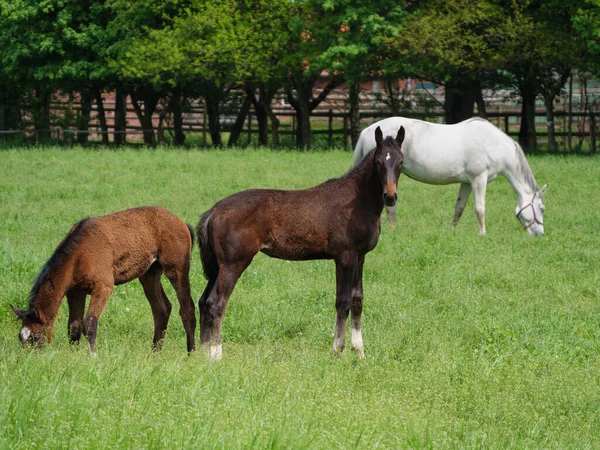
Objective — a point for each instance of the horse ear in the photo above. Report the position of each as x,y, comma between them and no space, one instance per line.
542,190
378,136
19,312
400,136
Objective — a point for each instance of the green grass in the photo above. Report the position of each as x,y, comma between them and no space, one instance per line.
471,342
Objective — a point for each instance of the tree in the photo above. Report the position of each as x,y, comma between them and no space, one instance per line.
261,60
452,44
540,49
63,51
355,51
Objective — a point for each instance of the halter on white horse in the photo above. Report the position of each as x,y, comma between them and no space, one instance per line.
471,153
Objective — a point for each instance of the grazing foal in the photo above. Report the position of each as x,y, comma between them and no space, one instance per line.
338,220
101,252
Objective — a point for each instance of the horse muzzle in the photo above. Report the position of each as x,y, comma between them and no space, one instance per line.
390,200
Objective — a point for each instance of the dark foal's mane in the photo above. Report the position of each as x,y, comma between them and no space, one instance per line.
64,249
362,166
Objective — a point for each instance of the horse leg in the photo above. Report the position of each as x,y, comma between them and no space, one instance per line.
356,308
205,332
76,301
391,214
179,276
479,185
99,297
345,268
159,302
461,201
212,307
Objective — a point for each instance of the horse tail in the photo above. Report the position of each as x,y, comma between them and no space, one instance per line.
207,254
192,234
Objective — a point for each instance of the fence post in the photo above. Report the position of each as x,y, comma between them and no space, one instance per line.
204,125
593,133
330,127
506,130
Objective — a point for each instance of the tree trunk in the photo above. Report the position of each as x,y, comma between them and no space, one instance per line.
304,130
267,93
354,101
274,127
460,98
238,126
301,104
263,124
149,99
176,107
214,124
120,136
41,114
101,115
160,127
527,137
393,99
10,111
262,106
83,120
549,102
304,103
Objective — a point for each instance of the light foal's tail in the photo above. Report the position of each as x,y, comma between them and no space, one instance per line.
207,254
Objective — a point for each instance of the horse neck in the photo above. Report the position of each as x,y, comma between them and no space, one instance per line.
50,292
369,190
521,179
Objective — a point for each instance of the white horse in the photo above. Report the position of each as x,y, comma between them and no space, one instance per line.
471,153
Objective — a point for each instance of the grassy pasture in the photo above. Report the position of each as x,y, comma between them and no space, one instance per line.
471,342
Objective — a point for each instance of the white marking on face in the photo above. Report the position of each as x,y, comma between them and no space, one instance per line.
387,157
25,334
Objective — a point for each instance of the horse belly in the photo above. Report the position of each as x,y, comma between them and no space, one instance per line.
129,266
435,173
295,247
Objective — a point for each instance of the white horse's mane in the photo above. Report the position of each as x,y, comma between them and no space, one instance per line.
523,168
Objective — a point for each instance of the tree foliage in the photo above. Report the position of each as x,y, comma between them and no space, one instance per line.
174,51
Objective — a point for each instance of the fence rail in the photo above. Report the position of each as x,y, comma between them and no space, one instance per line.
579,125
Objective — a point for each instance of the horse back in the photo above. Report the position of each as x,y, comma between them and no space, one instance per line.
293,225
123,245
443,154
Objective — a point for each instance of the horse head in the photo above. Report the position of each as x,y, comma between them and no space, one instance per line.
531,214
33,330
389,159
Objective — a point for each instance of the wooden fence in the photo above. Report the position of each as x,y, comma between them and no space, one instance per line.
573,130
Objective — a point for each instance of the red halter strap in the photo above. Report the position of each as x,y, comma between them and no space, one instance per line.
535,219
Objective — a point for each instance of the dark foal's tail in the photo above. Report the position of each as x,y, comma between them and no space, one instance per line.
207,255
192,235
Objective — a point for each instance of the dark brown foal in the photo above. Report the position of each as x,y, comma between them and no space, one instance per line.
337,220
101,252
